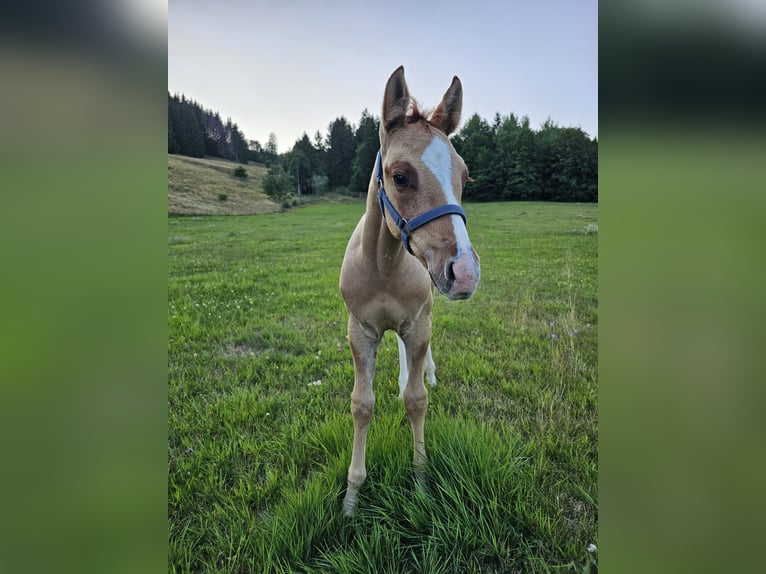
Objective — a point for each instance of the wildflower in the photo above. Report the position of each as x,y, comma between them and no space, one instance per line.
315,383
591,548
554,336
552,323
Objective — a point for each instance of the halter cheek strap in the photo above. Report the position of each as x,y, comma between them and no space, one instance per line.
408,226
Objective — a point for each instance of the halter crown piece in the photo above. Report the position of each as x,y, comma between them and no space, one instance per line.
408,226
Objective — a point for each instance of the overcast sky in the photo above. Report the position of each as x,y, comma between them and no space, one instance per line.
291,66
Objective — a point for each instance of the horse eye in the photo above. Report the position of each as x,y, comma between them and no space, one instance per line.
401,180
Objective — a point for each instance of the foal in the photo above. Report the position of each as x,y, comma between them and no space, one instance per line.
412,234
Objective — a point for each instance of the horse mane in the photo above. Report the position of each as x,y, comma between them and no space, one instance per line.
416,114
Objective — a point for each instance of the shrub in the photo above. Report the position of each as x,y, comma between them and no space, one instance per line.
240,172
223,197
278,184
318,183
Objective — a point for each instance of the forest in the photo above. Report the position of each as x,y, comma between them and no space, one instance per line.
507,158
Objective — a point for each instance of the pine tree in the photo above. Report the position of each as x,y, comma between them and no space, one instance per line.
340,152
367,144
188,133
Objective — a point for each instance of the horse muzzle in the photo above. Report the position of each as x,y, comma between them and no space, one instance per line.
460,276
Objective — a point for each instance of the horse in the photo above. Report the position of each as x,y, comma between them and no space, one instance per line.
411,238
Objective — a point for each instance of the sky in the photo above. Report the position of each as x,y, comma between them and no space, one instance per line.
293,66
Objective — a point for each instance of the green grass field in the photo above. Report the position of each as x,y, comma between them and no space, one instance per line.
260,377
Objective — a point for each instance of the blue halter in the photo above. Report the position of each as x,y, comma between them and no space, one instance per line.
408,226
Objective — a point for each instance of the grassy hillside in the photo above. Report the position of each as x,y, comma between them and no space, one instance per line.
208,187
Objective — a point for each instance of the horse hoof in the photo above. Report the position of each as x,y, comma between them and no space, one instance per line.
349,507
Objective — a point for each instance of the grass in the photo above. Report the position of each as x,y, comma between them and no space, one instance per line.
209,186
259,411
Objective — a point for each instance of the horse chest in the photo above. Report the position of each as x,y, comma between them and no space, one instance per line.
383,313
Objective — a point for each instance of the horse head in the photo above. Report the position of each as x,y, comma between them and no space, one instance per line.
421,179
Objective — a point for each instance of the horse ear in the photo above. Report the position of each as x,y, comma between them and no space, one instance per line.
446,116
395,101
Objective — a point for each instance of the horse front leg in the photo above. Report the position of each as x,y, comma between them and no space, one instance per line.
364,350
415,395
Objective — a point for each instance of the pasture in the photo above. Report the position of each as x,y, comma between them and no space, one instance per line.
260,376
208,186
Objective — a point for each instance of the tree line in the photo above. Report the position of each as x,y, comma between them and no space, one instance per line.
507,159
341,161
196,132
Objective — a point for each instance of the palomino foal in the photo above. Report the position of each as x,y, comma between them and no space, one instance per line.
412,234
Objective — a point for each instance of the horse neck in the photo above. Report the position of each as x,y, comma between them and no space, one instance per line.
377,242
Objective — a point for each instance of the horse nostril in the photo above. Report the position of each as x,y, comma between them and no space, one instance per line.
449,273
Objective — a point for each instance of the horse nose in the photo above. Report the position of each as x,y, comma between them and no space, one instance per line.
462,273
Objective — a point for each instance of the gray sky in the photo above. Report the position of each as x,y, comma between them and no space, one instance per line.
289,66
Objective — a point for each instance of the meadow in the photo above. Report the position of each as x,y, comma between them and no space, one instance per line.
260,377
208,186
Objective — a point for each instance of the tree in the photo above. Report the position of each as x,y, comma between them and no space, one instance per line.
173,146
196,131
502,163
188,137
255,151
573,175
239,146
214,135
524,176
340,152
278,183
511,161
319,142
298,165
272,147
475,143
367,144
306,163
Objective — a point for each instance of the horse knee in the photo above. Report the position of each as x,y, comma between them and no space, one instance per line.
361,410
416,404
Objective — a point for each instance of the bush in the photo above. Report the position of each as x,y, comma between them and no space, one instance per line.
240,172
223,197
278,184
318,183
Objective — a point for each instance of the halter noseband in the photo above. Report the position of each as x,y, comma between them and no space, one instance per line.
408,226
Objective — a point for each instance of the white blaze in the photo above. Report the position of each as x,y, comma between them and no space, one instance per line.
438,159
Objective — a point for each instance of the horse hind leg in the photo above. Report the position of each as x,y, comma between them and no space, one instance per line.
430,367
403,370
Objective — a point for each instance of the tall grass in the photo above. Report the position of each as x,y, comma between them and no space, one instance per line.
259,413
